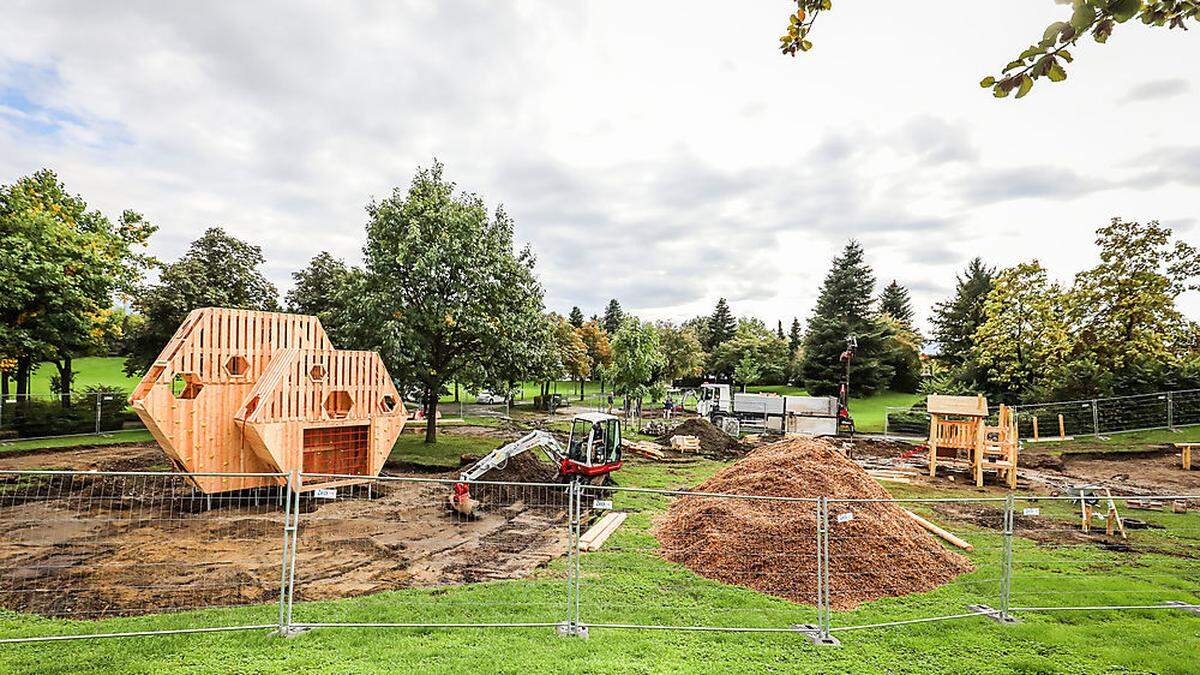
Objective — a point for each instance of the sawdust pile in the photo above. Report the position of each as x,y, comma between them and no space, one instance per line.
713,441
770,546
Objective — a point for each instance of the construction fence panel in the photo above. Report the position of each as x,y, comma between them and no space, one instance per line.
696,561
885,568
51,415
1120,553
392,553
98,553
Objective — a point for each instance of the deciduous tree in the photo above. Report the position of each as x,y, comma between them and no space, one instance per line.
218,270
445,296
62,266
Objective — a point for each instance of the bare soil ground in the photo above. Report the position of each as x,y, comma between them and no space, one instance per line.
91,546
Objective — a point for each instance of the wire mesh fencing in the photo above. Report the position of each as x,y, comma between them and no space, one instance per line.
890,563
704,562
110,554
89,553
1094,551
31,416
1068,419
420,562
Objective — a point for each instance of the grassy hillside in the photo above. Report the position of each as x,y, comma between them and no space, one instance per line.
105,370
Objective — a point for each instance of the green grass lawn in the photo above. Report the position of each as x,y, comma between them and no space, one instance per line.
90,370
109,438
1124,442
868,413
627,583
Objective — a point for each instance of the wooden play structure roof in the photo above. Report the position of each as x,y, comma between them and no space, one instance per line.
964,406
240,391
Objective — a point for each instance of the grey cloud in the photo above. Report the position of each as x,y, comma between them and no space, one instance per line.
1169,165
1044,182
937,141
1156,90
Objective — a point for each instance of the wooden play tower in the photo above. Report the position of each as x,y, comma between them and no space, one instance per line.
960,436
239,391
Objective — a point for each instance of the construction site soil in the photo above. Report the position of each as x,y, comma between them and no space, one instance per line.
714,443
876,551
88,546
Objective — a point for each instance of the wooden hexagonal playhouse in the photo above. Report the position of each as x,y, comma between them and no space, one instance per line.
239,391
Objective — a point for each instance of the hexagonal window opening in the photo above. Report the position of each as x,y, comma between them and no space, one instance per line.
237,366
186,386
317,372
387,403
338,403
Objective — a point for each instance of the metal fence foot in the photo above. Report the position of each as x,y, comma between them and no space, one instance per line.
290,631
570,629
1183,606
813,633
994,614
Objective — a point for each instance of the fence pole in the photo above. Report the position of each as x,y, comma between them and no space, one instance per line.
294,481
572,552
98,397
1096,416
823,609
1006,572
887,412
285,491
1170,412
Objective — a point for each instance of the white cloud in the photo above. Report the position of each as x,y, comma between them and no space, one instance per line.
663,156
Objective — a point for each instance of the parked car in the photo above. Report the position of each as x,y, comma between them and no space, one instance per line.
489,397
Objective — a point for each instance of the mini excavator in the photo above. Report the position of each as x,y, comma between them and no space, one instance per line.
593,452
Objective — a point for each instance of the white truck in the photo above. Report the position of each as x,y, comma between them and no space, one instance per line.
798,415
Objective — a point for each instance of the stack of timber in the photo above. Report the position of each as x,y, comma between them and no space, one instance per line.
685,443
645,449
901,474
599,533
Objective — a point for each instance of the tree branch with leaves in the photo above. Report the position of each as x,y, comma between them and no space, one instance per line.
1048,57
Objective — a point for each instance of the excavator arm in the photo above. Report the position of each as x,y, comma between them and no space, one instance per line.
460,498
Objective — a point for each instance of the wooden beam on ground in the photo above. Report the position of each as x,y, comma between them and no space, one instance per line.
944,534
597,534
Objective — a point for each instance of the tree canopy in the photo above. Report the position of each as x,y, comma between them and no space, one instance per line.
614,317
845,308
721,325
218,270
1048,57
321,290
61,267
445,295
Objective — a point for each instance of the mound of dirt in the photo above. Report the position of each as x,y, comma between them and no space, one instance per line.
771,546
528,467
713,441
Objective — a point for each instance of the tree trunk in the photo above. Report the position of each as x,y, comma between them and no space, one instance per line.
24,369
456,391
431,404
581,381
65,380
4,385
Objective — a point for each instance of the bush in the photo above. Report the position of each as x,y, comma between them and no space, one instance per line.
51,418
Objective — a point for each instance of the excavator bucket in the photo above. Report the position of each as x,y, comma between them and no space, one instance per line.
461,501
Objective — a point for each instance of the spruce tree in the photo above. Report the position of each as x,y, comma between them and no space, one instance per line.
896,303
721,326
614,316
576,317
844,308
779,329
794,335
955,320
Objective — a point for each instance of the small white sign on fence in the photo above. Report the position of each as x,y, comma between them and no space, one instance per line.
845,517
1032,511
602,504
325,493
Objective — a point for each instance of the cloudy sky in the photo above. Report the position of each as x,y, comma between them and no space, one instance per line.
659,152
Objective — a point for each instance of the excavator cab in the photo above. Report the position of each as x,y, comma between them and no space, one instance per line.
594,447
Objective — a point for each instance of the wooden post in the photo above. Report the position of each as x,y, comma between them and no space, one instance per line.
1035,427
933,439
980,442
1062,427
